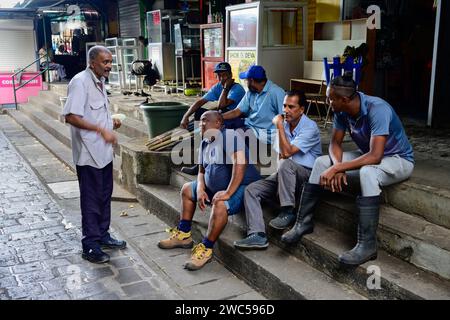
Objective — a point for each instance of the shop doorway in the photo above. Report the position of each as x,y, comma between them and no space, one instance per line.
404,51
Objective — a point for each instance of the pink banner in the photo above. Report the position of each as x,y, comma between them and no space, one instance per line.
30,89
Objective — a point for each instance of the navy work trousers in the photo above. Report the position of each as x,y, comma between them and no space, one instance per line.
96,186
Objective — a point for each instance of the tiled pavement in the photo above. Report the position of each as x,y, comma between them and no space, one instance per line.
40,239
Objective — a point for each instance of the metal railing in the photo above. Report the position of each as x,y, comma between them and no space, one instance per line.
28,81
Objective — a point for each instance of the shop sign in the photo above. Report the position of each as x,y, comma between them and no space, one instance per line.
240,61
6,81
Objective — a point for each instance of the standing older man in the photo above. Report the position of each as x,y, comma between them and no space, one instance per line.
298,146
87,111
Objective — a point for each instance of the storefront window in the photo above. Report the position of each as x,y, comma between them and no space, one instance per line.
154,26
212,41
69,34
283,27
243,25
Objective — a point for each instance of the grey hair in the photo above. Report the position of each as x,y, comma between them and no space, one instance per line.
95,51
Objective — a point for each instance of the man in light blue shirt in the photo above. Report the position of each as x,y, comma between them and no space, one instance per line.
262,102
228,94
298,146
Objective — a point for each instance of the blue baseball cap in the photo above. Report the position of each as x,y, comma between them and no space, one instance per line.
222,67
254,72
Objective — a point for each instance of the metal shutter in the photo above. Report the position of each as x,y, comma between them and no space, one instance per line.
17,44
129,18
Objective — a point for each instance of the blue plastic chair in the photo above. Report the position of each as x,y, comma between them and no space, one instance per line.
336,69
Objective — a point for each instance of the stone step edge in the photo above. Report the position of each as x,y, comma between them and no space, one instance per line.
398,286
401,234
253,267
60,130
54,110
64,154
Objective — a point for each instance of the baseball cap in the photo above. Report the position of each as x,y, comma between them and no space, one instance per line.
222,67
254,72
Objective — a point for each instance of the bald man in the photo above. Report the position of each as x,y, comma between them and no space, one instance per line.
224,174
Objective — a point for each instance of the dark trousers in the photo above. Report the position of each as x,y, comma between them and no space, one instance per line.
96,186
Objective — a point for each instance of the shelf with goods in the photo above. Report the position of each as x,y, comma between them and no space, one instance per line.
124,51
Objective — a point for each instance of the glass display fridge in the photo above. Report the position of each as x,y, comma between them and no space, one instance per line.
187,54
161,45
268,33
212,52
124,52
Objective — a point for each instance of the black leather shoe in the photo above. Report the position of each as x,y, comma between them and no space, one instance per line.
113,244
193,171
95,256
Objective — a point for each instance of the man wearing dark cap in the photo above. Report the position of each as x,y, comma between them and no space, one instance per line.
227,93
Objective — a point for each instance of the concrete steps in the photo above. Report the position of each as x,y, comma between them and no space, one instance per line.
44,114
274,273
408,237
320,250
413,233
64,153
49,103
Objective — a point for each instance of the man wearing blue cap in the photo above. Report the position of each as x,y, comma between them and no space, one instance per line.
227,93
262,102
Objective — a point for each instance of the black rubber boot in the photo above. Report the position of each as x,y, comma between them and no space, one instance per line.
366,248
304,223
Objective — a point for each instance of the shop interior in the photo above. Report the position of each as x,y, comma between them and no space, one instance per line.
404,51
65,36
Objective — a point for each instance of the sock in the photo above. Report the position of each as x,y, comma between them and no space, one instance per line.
208,244
184,226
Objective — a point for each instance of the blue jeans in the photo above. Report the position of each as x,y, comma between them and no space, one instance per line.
234,205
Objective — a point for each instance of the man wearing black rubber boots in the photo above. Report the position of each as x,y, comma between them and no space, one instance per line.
385,157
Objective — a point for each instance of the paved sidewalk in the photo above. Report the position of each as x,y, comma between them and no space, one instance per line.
40,250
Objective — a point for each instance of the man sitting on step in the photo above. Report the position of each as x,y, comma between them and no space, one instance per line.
298,145
221,182
385,157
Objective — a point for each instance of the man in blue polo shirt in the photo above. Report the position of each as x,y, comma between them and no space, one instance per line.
298,146
262,102
385,157
228,94
223,176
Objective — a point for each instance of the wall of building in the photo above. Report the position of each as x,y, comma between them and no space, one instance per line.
321,11
328,10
